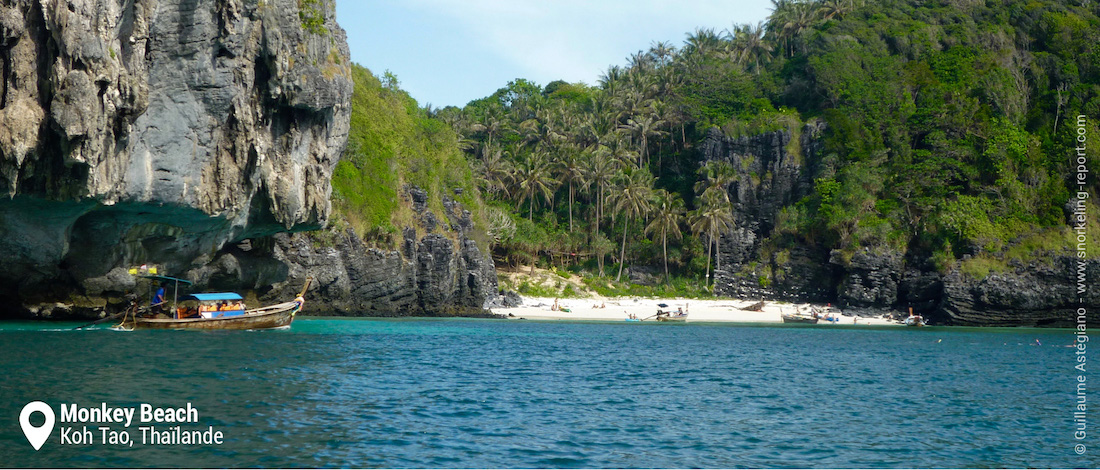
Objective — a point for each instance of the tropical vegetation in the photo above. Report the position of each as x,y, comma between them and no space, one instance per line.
949,128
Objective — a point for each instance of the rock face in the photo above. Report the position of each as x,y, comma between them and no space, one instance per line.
775,169
771,173
437,274
1038,294
145,131
870,278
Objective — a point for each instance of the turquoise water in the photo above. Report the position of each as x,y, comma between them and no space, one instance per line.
485,393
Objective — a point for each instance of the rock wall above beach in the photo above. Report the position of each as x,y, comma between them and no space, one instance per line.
772,172
775,169
440,273
159,131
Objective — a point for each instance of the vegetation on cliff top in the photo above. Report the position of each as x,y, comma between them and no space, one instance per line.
950,128
394,143
949,132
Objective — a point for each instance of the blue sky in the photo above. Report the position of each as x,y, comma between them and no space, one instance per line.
448,52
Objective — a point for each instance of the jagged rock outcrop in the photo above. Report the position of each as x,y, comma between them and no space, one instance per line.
145,131
771,173
775,169
870,277
437,274
1038,294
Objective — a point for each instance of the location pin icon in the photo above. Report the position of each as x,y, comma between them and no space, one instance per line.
37,435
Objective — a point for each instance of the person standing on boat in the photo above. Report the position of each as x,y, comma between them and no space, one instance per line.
158,298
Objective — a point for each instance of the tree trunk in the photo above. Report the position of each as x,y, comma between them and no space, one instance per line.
664,248
599,210
707,279
570,207
717,263
622,253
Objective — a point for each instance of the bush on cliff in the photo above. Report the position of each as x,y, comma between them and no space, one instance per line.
393,143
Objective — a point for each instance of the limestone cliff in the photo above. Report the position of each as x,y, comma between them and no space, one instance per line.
146,131
775,169
442,272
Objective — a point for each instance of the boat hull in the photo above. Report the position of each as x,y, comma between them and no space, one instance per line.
799,319
680,318
259,319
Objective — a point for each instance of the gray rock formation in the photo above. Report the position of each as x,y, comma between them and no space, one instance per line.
144,131
1038,294
870,278
437,274
772,173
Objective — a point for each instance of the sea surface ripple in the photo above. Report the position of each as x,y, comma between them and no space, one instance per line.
481,393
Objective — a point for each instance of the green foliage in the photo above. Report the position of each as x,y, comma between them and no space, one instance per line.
539,290
946,130
688,288
312,15
393,142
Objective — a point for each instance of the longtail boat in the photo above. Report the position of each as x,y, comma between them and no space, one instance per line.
914,320
798,318
672,316
217,311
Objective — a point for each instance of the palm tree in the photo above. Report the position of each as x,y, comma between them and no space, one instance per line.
716,174
619,151
667,215
599,170
634,198
703,41
662,52
644,126
749,45
496,171
802,16
713,218
570,170
533,178
492,123
781,14
835,8
640,61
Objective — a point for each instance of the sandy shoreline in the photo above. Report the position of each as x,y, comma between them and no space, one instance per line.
618,309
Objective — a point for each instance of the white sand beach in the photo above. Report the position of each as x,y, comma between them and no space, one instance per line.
719,310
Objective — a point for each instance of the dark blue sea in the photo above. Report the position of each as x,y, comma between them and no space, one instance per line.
467,393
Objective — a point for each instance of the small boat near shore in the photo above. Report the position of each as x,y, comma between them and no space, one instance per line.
914,320
274,316
214,311
672,316
798,318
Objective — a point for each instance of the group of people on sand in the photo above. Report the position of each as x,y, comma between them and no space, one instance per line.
557,307
825,313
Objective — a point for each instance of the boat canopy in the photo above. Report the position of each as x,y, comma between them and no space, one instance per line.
166,279
213,296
